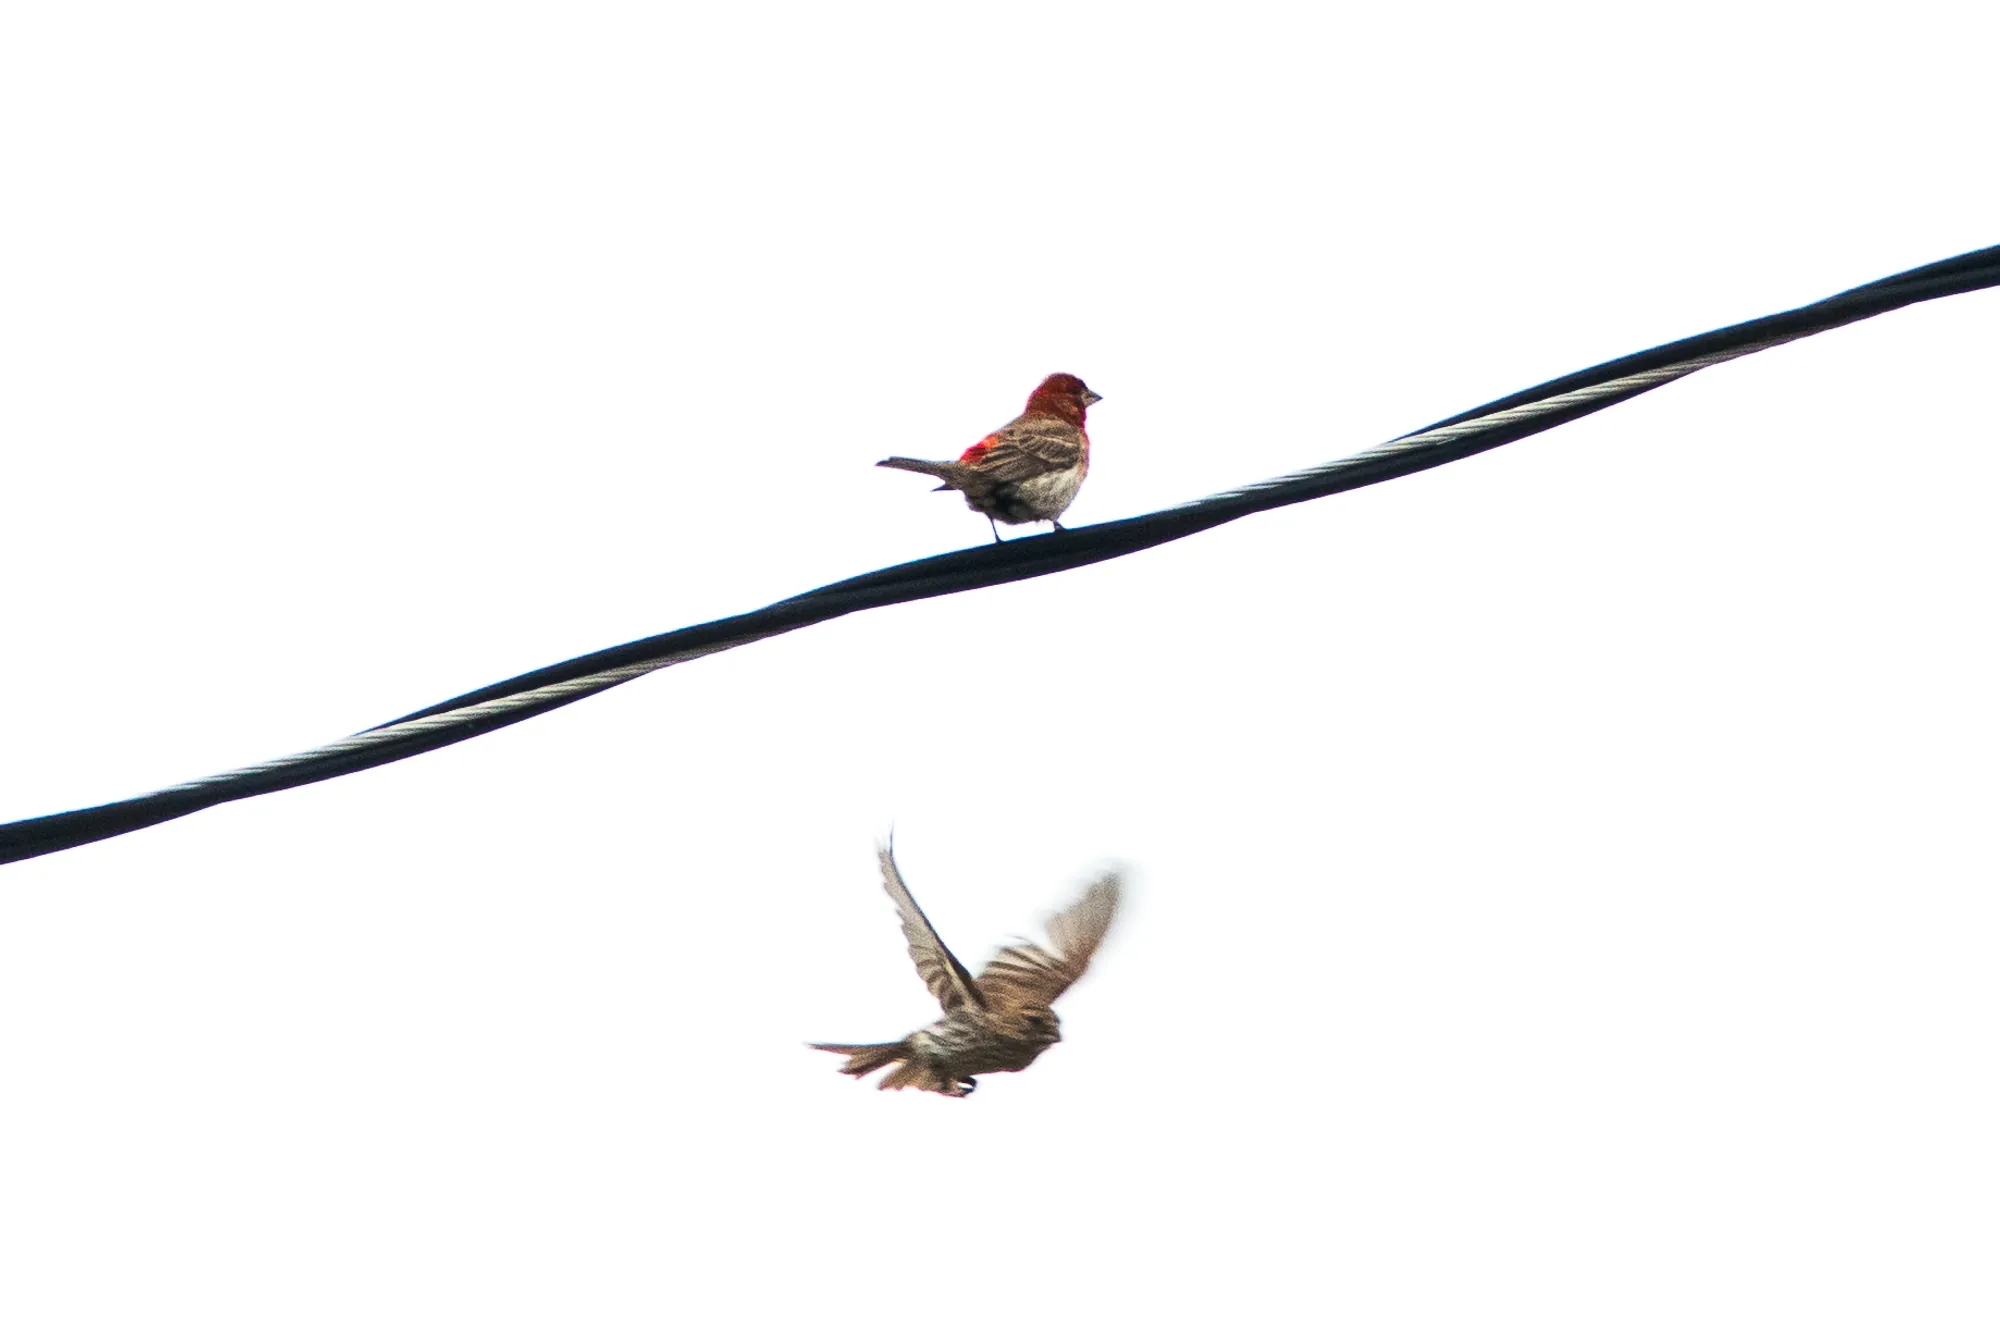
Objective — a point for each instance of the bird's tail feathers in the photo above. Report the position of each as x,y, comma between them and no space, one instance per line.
907,1070
867,1059
947,471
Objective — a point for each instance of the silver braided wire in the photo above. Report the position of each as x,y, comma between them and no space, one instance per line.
397,732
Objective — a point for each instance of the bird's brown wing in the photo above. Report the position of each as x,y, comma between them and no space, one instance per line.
1028,448
1026,973
943,974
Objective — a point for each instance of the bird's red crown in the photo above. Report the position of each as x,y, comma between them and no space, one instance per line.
1063,396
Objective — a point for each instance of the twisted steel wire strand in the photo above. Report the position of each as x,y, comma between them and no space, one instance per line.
1487,427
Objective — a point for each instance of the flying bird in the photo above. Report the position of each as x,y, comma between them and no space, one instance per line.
997,1021
1029,470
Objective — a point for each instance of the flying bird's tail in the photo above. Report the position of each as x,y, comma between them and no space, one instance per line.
912,1071
867,1059
950,473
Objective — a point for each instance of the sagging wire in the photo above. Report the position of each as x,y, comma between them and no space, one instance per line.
1503,421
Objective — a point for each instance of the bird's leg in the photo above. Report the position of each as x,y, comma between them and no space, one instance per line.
996,529
966,1086
1057,526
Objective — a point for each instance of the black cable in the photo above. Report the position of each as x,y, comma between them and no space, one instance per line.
1499,422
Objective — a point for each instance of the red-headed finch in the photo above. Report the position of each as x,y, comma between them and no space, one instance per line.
1029,470
998,1020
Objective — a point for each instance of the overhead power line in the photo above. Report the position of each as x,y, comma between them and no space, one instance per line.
1501,422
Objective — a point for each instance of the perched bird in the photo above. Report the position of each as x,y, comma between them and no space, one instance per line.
1029,470
999,1020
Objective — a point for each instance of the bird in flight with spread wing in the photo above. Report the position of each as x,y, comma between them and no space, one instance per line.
997,1021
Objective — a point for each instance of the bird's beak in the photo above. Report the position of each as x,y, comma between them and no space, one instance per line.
1089,397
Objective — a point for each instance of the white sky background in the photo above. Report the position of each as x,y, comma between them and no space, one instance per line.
1562,884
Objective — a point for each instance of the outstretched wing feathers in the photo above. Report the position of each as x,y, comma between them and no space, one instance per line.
943,975
1026,973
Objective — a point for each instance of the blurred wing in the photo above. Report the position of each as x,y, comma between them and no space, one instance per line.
1026,973
944,976
1029,448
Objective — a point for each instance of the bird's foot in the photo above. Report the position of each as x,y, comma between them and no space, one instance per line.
966,1087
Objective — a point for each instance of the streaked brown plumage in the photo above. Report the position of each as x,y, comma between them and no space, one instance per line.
997,1021
1029,470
